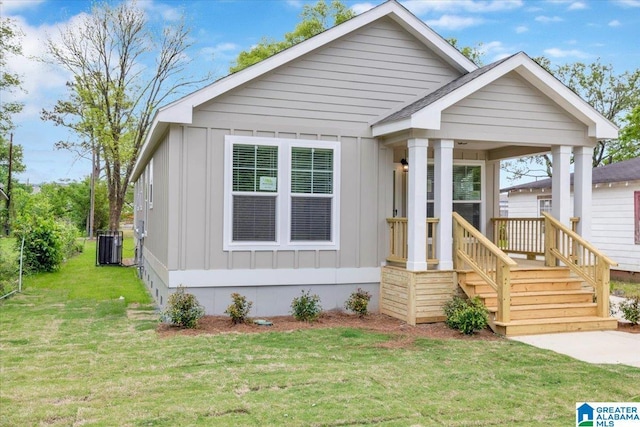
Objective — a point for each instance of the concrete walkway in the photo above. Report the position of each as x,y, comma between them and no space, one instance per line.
608,347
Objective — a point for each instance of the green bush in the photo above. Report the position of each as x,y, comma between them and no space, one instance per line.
631,309
183,309
467,316
239,309
306,308
43,245
358,302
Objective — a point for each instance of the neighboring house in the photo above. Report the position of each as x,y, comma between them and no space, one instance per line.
615,213
290,175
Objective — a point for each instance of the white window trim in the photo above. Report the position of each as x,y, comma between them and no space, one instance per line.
283,195
540,199
151,184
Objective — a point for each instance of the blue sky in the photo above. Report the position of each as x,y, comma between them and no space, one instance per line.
565,31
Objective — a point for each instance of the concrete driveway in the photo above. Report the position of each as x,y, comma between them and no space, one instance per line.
610,347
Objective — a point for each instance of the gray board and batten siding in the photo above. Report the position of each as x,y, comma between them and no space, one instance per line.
334,94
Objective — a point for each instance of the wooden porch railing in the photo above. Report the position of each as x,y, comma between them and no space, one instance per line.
522,235
581,257
398,240
486,259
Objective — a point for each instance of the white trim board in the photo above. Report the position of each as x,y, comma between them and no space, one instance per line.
273,277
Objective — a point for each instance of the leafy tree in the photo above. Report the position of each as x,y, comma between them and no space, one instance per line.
474,53
10,37
70,202
315,19
628,145
114,92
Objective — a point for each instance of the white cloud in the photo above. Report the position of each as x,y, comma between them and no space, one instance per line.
547,19
222,52
166,12
42,82
421,7
295,3
522,29
628,3
454,22
8,7
561,53
359,8
577,5
614,23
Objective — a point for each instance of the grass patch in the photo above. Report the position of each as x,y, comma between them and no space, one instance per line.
81,279
75,357
625,289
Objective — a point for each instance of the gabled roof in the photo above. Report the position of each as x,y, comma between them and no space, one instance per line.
418,105
426,113
181,111
628,170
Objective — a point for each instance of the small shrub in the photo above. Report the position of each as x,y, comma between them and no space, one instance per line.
631,310
183,309
358,302
239,309
467,316
43,245
306,308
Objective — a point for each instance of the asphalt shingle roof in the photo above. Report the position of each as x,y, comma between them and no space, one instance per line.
418,105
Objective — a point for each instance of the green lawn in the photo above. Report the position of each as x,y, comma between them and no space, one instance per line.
71,353
628,289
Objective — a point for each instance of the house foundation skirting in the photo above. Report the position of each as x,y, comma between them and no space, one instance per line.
416,296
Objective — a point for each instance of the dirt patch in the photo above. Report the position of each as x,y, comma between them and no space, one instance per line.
628,327
214,325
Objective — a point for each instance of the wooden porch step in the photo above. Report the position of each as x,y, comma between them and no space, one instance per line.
550,311
553,325
525,273
528,285
540,297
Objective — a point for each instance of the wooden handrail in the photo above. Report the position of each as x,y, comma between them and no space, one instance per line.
581,257
519,235
486,259
398,240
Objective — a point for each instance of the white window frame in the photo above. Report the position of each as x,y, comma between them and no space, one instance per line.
539,201
151,183
283,195
483,187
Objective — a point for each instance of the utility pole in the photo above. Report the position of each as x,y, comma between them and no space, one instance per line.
6,224
93,189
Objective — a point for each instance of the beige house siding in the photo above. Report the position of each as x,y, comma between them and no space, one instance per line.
200,179
157,216
510,109
338,89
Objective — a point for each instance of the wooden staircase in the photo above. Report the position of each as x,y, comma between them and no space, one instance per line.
543,300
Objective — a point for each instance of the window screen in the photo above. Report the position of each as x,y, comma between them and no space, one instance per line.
312,176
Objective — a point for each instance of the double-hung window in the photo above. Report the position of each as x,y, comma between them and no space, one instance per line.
280,194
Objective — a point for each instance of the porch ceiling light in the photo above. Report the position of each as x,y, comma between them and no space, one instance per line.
405,164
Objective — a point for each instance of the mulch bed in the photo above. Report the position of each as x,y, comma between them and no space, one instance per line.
214,325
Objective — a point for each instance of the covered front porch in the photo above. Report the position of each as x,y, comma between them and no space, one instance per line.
446,234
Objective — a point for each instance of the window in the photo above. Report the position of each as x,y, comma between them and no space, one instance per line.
280,193
544,205
311,193
151,184
467,192
255,187
636,216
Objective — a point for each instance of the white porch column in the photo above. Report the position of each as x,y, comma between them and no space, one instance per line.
560,184
582,198
417,205
443,200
